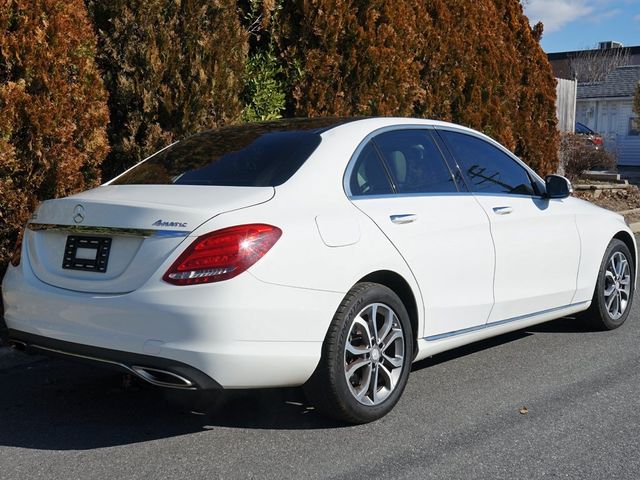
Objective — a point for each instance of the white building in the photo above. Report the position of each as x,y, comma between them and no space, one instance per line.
607,108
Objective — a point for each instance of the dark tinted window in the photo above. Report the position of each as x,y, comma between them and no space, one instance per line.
415,162
583,129
369,176
486,168
258,155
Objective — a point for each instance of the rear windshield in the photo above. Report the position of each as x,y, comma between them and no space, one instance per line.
251,155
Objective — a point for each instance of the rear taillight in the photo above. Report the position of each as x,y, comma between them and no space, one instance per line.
17,251
597,140
222,254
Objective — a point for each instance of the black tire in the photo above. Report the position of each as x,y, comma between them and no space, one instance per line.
598,315
329,390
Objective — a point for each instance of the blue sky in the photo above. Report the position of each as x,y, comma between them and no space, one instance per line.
579,24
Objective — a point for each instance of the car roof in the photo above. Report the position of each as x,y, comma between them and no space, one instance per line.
374,123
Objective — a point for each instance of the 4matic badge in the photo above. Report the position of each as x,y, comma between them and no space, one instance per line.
162,223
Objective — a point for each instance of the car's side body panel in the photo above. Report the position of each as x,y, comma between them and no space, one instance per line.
449,250
538,253
596,227
301,258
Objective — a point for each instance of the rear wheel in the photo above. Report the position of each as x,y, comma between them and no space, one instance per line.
366,356
613,295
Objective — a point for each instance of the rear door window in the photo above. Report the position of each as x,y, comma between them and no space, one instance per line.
369,176
415,162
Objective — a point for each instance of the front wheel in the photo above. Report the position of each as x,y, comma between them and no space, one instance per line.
613,295
366,356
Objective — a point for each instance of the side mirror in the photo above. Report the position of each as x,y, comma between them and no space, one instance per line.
557,186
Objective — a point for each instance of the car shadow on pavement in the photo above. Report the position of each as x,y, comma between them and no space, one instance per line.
563,325
470,349
53,404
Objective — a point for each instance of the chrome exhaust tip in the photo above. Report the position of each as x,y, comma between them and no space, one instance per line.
162,378
18,345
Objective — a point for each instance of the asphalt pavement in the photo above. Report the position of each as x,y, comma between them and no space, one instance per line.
553,401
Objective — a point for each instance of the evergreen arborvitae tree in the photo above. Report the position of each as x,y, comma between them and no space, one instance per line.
171,68
347,57
53,110
475,63
535,121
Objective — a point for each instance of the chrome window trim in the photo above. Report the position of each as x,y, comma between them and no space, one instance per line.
445,194
434,128
111,231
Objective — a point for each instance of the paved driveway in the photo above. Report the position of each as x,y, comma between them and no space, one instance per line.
459,418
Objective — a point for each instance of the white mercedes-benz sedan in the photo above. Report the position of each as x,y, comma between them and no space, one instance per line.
330,253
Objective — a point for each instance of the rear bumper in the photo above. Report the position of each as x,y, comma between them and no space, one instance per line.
158,371
241,333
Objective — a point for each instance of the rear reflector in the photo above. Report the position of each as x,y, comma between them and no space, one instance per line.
222,254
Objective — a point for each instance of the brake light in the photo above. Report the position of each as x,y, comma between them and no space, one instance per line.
222,254
17,251
597,140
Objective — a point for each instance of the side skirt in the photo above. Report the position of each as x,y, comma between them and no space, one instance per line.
447,341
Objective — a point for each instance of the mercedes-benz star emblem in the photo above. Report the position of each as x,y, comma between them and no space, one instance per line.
78,214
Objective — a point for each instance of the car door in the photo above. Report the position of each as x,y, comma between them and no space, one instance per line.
401,181
536,239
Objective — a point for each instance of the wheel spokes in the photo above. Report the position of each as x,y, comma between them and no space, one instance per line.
373,320
609,290
356,365
363,388
374,386
387,324
374,354
617,285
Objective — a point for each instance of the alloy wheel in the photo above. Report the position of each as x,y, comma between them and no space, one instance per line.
374,354
617,285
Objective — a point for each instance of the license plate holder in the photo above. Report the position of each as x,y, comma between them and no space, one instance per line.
89,254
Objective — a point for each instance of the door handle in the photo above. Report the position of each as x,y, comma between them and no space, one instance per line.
404,218
506,210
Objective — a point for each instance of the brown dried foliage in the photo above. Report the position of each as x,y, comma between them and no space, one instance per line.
475,63
578,155
53,112
171,68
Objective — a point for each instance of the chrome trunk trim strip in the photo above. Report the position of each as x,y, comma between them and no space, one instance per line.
111,231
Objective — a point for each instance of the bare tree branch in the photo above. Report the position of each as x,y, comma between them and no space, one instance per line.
594,65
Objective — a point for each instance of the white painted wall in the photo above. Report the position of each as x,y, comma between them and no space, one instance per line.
610,118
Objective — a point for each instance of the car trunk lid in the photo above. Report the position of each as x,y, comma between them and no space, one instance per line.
113,238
